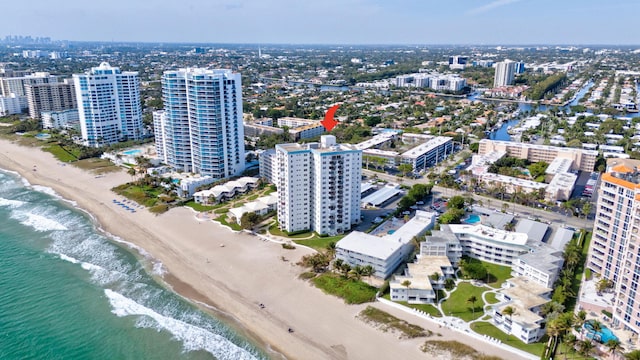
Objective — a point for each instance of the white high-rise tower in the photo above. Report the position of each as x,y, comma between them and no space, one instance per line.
318,186
108,105
200,129
505,72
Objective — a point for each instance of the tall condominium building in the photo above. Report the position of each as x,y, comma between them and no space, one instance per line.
200,129
17,85
615,247
318,186
109,105
505,72
50,97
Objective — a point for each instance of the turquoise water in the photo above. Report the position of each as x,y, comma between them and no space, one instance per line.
390,232
42,136
134,152
69,292
472,219
604,335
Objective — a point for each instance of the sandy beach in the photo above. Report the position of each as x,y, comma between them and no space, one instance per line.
235,278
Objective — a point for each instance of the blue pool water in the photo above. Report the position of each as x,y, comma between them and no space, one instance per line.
390,232
472,219
175,181
43,136
134,152
603,336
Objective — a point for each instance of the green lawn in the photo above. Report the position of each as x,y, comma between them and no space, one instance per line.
319,243
351,290
198,207
224,221
457,305
274,230
60,153
144,195
97,165
491,298
497,274
577,280
486,328
428,308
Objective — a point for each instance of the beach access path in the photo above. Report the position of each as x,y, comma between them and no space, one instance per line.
235,278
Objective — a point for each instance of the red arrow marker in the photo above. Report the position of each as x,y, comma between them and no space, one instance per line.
329,122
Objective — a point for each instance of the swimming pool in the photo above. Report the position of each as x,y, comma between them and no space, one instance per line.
390,232
472,219
134,152
43,136
603,336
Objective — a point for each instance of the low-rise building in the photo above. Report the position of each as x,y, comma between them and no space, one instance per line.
225,191
261,206
421,280
387,252
65,119
525,298
428,154
307,131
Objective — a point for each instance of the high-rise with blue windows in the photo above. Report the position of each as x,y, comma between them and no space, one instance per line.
108,105
200,129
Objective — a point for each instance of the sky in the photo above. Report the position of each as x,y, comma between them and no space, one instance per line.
477,22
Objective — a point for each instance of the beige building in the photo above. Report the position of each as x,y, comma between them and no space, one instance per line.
584,160
614,253
50,97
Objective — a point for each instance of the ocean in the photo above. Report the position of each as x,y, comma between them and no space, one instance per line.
68,291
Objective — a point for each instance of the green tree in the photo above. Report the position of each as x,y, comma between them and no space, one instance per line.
508,311
614,346
456,202
404,169
633,355
249,220
472,300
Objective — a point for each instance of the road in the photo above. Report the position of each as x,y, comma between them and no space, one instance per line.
515,209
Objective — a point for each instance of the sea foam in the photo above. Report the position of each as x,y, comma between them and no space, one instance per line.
193,337
11,203
37,222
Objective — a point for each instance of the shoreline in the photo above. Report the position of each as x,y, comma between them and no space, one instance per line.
228,281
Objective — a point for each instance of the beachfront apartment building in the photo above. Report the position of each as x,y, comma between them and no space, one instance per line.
200,129
318,186
109,105
50,97
307,131
505,73
268,163
65,119
525,298
421,280
522,250
584,160
17,85
384,253
12,104
614,252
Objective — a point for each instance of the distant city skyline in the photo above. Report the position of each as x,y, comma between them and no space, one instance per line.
478,22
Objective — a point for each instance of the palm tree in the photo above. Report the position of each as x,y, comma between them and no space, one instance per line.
586,347
406,284
634,355
331,248
357,272
338,264
614,345
579,320
368,270
570,342
509,311
473,299
132,172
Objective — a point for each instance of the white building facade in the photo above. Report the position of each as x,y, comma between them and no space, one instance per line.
318,186
109,105
505,72
200,129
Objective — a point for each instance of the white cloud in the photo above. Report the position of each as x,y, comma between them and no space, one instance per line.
490,6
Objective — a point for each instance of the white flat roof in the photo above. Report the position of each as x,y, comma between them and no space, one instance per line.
490,234
382,195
